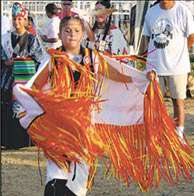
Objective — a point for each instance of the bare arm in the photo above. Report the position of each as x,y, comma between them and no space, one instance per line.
116,76
89,31
190,41
144,44
151,75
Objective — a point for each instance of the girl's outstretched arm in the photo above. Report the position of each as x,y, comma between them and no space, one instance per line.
115,75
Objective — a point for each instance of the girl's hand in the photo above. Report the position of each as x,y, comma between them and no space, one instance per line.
9,62
151,75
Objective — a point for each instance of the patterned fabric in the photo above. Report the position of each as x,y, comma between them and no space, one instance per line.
114,42
32,47
23,70
18,10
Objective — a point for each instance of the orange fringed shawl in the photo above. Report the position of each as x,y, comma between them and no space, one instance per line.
143,153
62,132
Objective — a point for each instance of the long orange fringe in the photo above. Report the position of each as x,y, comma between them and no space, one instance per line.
143,153
168,157
149,152
62,131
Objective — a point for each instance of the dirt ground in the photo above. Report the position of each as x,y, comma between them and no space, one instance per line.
20,175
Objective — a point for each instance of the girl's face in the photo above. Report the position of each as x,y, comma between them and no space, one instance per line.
19,22
72,34
101,18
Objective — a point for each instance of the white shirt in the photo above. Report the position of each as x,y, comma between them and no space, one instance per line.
168,31
51,30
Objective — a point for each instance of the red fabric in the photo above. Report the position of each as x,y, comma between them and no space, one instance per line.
32,30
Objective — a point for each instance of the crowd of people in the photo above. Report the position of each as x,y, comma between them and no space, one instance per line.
167,36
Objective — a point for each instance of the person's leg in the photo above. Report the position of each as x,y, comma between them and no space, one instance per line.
56,180
179,112
62,183
6,120
5,125
68,192
177,86
162,82
57,187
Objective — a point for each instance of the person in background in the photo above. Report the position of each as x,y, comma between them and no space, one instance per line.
168,34
66,10
125,28
31,26
51,29
108,37
17,44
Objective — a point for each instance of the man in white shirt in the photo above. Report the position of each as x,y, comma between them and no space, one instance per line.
51,30
169,30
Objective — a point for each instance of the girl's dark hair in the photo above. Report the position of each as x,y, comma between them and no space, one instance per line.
30,19
51,8
108,24
65,20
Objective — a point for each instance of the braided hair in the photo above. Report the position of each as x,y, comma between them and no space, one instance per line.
107,4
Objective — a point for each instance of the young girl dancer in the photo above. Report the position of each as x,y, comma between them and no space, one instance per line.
74,181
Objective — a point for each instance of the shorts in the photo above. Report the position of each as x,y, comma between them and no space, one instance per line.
176,84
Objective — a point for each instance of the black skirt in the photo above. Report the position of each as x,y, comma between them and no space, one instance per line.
13,135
